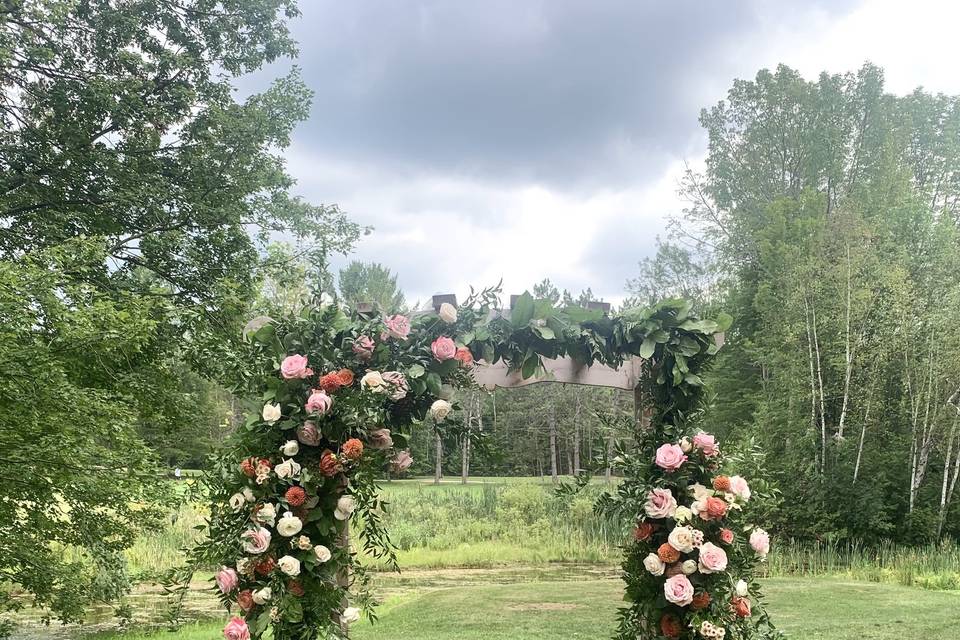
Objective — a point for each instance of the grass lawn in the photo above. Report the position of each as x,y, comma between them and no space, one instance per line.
804,608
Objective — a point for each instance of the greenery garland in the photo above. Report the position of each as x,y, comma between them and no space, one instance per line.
337,394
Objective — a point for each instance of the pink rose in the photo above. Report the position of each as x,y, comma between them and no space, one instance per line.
319,402
678,590
726,536
443,348
399,384
740,488
712,558
380,439
760,541
227,580
670,457
398,326
294,367
706,443
363,347
401,462
236,629
255,541
308,434
660,504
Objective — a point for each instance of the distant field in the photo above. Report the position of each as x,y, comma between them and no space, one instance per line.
805,608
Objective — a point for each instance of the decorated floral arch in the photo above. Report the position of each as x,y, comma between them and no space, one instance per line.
338,393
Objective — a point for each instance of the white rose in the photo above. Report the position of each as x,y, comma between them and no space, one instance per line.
289,525
345,507
689,567
440,409
267,514
262,596
681,539
742,588
686,445
654,565
287,469
322,553
700,492
350,615
271,412
448,313
237,501
289,565
682,514
290,448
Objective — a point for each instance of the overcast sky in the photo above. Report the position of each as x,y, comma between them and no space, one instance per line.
526,139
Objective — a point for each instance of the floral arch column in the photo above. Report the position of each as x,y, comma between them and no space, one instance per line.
335,397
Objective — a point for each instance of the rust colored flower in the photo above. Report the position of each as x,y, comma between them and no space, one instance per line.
741,607
643,532
249,467
674,569
329,465
346,377
295,496
670,626
722,483
245,600
265,566
352,449
701,600
464,356
296,588
331,382
716,508
668,554
726,536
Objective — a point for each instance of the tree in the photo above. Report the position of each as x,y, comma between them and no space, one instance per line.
373,283
137,198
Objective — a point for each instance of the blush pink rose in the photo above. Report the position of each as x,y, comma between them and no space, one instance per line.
401,462
255,541
678,590
236,629
760,541
707,443
726,536
712,558
294,367
398,384
308,434
227,580
380,439
398,326
319,402
363,346
739,487
660,503
670,457
443,348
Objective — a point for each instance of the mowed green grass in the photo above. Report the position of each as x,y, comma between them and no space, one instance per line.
804,608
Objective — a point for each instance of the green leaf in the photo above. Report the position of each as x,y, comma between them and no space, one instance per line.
415,371
694,379
530,366
724,321
265,334
434,383
545,332
522,311
647,348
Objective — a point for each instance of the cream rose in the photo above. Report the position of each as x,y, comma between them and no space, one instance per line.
372,381
289,525
271,412
322,553
689,567
448,313
237,501
262,596
681,539
290,448
654,565
682,514
742,588
440,409
289,565
266,514
303,543
287,469
350,615
345,507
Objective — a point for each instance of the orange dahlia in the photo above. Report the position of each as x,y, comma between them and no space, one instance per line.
667,553
352,449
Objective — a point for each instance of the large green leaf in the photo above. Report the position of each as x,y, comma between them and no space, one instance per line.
522,311
647,348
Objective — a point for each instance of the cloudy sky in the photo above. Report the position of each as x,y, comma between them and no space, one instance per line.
524,139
